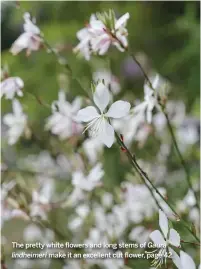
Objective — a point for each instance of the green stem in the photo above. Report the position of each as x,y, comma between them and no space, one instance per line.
142,178
132,159
192,243
185,167
145,177
183,162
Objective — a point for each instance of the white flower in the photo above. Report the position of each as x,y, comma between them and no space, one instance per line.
110,80
88,183
16,122
62,122
93,149
32,232
106,36
184,261
107,200
12,86
187,135
150,100
30,39
139,234
97,36
130,126
166,238
82,212
84,36
98,120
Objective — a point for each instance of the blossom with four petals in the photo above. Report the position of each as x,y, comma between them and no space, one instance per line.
12,86
30,39
98,118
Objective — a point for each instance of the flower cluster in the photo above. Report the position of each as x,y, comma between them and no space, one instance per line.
72,179
102,31
30,39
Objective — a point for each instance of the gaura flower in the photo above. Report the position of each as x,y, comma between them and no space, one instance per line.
88,183
98,118
63,122
12,86
184,261
30,39
84,36
114,33
160,88
102,31
150,101
16,122
109,80
166,238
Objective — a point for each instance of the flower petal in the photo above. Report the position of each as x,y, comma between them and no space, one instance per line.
104,47
157,237
101,96
9,119
140,108
186,261
122,20
106,134
96,173
87,114
21,43
149,116
174,238
175,258
118,109
163,223
17,108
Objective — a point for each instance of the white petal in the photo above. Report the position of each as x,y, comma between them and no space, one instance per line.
19,82
123,40
9,119
107,134
157,237
149,116
118,46
87,114
104,47
175,258
155,82
101,96
96,173
118,109
186,261
30,27
163,223
17,108
122,20
21,43
82,34
76,104
140,108
174,238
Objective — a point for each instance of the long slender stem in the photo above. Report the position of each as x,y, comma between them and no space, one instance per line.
186,168
192,243
142,178
131,157
145,177
183,162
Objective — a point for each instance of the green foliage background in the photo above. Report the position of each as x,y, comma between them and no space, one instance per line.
167,32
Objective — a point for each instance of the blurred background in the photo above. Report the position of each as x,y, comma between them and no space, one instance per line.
164,36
